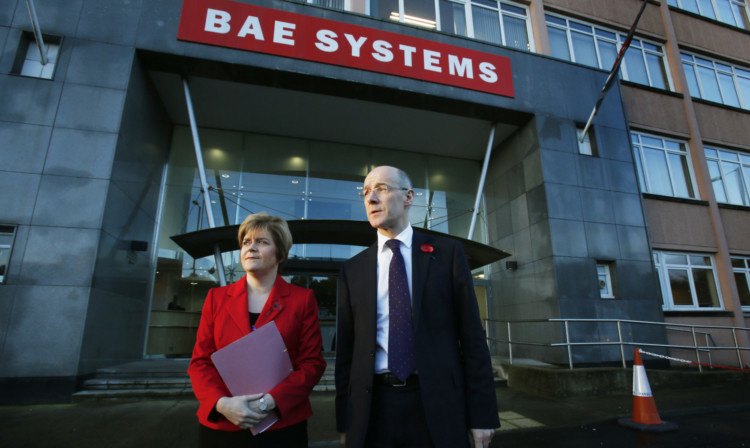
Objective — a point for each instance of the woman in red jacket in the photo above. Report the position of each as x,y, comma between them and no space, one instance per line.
233,311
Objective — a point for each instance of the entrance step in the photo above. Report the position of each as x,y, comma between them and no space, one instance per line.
144,379
155,379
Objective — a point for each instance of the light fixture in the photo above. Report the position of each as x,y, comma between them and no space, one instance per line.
225,176
295,181
414,20
511,265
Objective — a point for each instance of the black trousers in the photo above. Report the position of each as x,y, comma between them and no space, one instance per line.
397,418
294,436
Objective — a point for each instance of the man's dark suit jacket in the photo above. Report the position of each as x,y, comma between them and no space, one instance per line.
453,361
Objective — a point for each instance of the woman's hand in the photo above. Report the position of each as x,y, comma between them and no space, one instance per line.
243,410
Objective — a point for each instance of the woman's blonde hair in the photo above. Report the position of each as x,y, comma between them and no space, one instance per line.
275,225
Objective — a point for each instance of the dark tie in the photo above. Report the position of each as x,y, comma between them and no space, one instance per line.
401,359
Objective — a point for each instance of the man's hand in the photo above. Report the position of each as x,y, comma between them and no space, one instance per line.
342,438
241,410
480,438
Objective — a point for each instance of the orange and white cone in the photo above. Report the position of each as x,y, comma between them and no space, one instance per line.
645,416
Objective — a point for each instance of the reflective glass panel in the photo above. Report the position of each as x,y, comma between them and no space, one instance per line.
716,181
453,18
658,173
583,48
558,40
680,287
486,25
515,33
636,66
705,288
710,87
743,287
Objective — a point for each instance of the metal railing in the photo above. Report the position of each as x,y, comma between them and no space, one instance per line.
708,336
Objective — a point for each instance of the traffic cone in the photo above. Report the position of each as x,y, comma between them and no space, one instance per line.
645,416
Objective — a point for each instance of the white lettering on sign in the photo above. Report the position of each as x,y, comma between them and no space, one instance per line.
488,72
408,52
463,68
356,44
282,32
382,51
251,26
432,61
239,25
326,41
217,21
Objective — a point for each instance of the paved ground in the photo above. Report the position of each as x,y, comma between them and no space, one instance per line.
528,421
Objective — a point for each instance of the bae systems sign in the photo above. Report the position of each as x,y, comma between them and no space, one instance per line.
253,28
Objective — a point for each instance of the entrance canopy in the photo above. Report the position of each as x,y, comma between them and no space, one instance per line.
201,243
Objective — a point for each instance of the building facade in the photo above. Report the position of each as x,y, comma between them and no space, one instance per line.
284,106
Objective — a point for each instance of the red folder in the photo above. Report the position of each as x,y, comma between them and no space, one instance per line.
254,364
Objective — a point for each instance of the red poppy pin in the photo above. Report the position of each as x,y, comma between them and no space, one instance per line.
427,248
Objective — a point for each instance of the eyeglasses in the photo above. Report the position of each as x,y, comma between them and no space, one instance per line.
379,189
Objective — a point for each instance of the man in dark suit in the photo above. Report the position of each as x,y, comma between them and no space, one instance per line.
417,375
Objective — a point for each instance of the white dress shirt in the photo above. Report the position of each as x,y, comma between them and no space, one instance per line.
384,262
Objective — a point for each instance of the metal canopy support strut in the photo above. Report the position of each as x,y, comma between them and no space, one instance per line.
482,179
204,182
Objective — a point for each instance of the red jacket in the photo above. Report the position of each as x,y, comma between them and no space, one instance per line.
225,318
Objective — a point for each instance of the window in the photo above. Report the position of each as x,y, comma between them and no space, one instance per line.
644,62
7,233
604,275
586,147
341,5
732,12
688,281
29,60
741,267
716,81
730,175
498,22
663,166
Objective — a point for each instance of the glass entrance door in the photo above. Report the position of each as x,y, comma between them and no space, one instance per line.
325,289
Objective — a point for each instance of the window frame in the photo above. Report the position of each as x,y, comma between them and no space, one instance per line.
742,159
496,7
736,6
691,62
742,270
608,279
26,45
663,268
5,231
601,35
643,176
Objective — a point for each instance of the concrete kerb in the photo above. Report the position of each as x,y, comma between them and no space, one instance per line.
558,382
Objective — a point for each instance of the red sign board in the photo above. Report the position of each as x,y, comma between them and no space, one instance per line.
253,28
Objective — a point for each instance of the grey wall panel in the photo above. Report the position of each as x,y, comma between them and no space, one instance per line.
602,241
55,17
18,208
80,153
70,202
7,8
28,100
99,64
59,256
90,108
45,329
23,147
109,21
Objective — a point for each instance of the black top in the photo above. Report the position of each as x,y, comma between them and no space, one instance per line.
254,318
